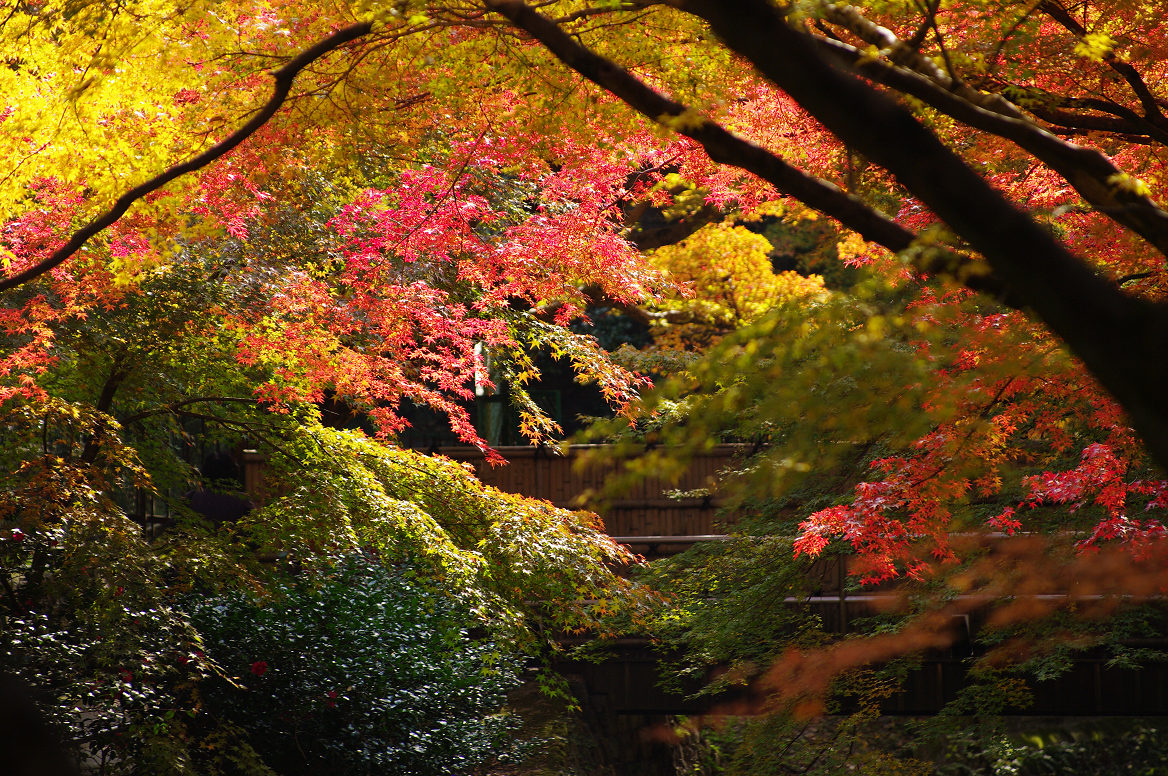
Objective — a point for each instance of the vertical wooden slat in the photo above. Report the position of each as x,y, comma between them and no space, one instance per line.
253,476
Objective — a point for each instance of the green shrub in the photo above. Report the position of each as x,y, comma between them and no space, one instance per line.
362,671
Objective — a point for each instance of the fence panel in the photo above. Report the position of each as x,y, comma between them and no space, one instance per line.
643,510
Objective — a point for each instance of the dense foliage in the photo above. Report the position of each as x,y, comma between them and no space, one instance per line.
219,217
426,234
360,671
97,611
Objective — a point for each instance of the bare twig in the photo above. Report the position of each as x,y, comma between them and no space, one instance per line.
1139,87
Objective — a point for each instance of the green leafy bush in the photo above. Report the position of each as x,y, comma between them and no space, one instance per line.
361,671
1088,747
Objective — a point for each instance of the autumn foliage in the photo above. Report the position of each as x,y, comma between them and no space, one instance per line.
224,216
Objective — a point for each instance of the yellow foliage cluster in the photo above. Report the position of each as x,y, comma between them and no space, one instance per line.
725,281
1095,45
93,103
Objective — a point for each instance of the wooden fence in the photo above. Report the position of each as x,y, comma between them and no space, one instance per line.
643,511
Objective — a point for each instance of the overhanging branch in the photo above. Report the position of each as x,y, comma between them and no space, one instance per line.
1091,173
1120,338
284,76
725,147
174,407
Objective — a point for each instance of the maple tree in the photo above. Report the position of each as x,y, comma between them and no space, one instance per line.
963,169
726,272
966,415
227,303
1022,259
849,108
223,213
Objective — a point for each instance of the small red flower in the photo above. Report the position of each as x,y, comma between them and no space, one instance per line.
331,699
17,535
259,667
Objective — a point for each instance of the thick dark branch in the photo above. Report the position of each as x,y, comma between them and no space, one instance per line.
284,76
1121,339
727,148
1094,176
1138,276
105,398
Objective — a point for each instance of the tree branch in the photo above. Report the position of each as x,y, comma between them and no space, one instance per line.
1139,87
284,76
1091,173
248,428
725,147
175,406
1134,130
105,399
1121,339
